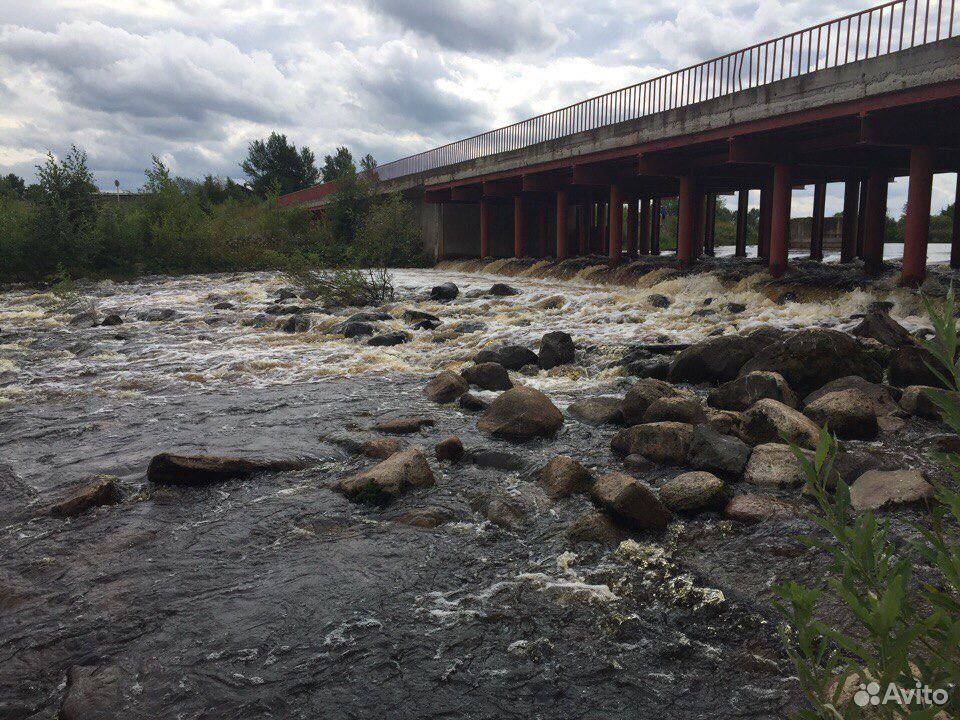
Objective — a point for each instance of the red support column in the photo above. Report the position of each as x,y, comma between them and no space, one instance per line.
644,239
710,229
687,208
780,219
876,220
616,224
848,233
763,235
542,227
561,224
604,227
484,228
743,208
816,224
917,222
519,227
955,232
633,224
655,207
861,217
583,240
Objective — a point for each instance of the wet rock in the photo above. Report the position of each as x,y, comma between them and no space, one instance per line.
403,426
946,443
850,414
388,339
724,421
512,357
84,320
285,294
598,411
771,421
469,327
93,693
425,325
355,329
381,448
694,492
520,414
662,442
487,375
196,470
658,301
880,395
368,316
426,518
631,501
703,312
596,527
389,479
881,327
112,320
497,460
469,401
284,310
157,315
14,492
742,392
556,348
260,320
736,307
717,453
416,316
449,449
563,476
678,408
642,395
98,491
446,291
223,305
654,367
775,465
877,489
809,359
638,464
296,324
757,508
720,359
909,366
506,512
785,297
445,387
916,401
502,290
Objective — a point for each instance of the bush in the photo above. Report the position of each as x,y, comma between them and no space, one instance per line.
906,632
348,287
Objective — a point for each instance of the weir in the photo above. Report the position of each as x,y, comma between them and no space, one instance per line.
858,100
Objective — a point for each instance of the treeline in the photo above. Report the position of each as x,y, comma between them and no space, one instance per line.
62,226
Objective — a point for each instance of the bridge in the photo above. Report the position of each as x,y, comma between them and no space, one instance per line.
857,100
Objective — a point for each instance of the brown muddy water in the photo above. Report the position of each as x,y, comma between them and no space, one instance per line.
277,598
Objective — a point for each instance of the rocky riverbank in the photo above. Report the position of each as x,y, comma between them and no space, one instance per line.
514,496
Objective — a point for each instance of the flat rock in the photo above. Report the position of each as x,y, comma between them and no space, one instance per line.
425,518
631,501
850,414
446,387
157,315
676,408
877,489
596,527
497,460
662,442
742,392
758,508
100,490
389,479
880,395
775,465
381,448
909,366
771,421
694,492
564,476
598,411
388,339
488,376
93,693
520,414
403,426
717,453
197,470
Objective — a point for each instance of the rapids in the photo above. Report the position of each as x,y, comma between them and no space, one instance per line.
276,597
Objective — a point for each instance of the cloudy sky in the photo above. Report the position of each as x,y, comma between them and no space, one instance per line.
194,81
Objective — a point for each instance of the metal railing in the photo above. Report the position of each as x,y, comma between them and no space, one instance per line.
881,30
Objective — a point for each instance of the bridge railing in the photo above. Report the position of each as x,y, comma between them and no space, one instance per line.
881,30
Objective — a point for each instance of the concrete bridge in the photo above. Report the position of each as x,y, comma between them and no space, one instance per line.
858,100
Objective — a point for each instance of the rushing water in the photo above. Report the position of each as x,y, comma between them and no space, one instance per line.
275,597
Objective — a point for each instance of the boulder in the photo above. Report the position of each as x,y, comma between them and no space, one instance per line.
418,316
520,414
631,501
878,324
717,453
446,291
654,367
356,329
197,470
488,375
596,527
465,328
223,305
502,290
720,359
850,414
642,395
724,421
775,465
757,508
445,387
403,426
694,492
909,366
598,411
662,442
564,476
916,401
877,489
425,325
381,448
112,320
658,301
809,359
93,693
387,480
512,357
368,316
296,324
388,339
677,408
771,421
880,395
100,490
84,320
556,348
742,392
449,449
470,402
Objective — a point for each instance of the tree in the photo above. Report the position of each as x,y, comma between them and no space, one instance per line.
339,165
367,163
12,185
277,162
